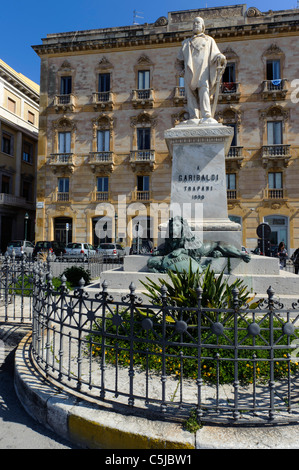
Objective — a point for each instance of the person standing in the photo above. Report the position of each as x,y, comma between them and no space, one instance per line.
295,259
282,254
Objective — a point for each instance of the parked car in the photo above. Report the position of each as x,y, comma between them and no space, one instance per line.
20,247
79,251
53,249
111,251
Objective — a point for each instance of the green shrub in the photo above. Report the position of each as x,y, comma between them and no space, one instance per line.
217,360
75,273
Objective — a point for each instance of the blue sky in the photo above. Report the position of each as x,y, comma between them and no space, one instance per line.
25,23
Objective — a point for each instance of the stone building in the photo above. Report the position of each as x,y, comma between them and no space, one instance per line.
108,95
19,111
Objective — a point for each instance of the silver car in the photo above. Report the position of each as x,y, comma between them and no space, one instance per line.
111,251
79,251
20,247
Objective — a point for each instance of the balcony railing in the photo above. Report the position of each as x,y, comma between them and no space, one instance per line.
231,194
100,157
229,87
102,196
61,159
179,94
229,91
274,193
276,152
62,197
235,152
143,97
142,195
274,88
16,201
102,160
142,156
103,99
145,157
64,101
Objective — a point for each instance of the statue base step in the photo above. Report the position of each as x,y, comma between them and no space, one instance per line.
261,273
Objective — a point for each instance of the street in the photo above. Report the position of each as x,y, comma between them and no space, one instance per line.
17,429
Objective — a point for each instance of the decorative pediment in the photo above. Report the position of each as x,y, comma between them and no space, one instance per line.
230,54
272,50
64,123
102,122
275,112
104,63
65,66
143,120
144,60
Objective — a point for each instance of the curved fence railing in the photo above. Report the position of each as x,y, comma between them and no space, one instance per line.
233,364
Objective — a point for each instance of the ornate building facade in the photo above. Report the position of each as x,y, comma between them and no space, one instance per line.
19,111
108,95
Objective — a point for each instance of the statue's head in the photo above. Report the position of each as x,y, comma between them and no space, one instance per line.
198,25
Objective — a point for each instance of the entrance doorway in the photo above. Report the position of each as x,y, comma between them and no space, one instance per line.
63,229
279,230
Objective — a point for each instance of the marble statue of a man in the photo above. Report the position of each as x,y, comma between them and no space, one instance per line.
204,65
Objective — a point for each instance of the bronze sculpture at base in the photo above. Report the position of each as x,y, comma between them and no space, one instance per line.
183,247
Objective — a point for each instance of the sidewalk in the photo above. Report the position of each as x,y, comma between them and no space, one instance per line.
92,426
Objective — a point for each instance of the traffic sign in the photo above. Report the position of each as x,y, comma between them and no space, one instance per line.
263,231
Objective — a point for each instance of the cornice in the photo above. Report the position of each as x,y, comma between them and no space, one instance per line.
166,38
19,84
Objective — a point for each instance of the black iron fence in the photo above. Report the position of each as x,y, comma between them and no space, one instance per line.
227,364
231,364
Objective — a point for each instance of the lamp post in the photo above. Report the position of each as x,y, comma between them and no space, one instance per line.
115,219
137,230
26,223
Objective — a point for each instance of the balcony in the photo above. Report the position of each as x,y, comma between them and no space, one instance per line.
64,102
143,98
141,195
229,92
179,95
274,89
274,194
63,161
275,154
103,100
61,197
15,201
101,161
142,160
234,156
100,196
231,194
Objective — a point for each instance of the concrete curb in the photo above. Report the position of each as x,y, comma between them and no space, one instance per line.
83,423
88,426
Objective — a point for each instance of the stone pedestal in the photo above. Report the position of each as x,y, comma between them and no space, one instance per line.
198,182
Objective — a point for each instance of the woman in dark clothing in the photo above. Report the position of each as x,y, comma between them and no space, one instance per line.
282,254
295,259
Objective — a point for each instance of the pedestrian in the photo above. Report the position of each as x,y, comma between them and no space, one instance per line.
295,259
282,254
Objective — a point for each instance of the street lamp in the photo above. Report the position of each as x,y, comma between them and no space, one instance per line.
115,219
26,223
